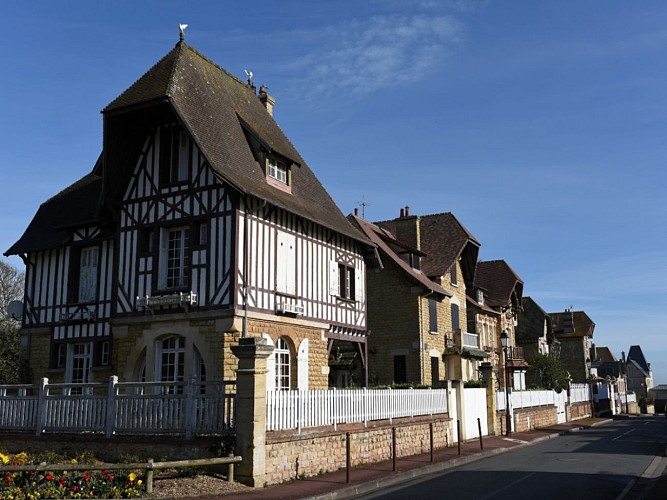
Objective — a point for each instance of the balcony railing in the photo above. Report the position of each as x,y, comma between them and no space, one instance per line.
515,353
470,339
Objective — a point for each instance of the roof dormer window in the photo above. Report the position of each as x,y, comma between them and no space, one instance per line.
278,170
480,296
278,173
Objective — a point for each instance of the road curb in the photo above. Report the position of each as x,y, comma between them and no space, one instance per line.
398,478
418,473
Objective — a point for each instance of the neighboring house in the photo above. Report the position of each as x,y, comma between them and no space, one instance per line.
605,363
638,371
534,333
199,224
503,291
574,330
658,396
417,302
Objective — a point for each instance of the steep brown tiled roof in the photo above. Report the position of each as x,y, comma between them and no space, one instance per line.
572,324
500,281
382,239
442,238
74,206
218,110
604,355
531,320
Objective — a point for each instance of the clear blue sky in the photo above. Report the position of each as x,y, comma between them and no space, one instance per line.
540,125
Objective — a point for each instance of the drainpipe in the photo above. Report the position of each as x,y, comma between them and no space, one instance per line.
246,267
421,337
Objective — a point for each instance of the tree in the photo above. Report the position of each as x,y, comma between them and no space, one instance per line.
549,372
11,288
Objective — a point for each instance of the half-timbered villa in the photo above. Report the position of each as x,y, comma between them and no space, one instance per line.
199,224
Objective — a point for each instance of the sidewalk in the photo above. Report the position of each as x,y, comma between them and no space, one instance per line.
367,478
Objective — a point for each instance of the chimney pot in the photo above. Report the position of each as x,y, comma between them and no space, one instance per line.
407,211
356,212
402,213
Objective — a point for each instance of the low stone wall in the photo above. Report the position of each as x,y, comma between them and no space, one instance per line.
579,410
526,419
313,453
111,450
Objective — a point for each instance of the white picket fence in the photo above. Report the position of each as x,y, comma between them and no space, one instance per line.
318,408
146,408
529,399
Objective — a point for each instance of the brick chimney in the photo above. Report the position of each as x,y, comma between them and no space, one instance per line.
407,228
267,100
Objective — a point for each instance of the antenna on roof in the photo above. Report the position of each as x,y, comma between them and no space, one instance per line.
181,28
249,74
363,204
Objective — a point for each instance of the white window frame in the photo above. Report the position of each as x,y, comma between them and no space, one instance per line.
173,270
283,359
170,361
79,363
278,170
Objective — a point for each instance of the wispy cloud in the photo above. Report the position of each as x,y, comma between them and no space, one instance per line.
363,56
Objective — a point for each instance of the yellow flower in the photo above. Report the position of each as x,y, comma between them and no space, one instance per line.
73,461
4,458
20,458
132,476
140,482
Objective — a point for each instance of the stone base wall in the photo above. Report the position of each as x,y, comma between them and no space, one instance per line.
578,410
526,419
313,453
111,450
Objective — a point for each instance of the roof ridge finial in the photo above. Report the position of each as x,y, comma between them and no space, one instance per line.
181,28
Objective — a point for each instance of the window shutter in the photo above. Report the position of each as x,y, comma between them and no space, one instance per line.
433,314
270,365
334,278
164,251
455,317
358,284
286,263
302,366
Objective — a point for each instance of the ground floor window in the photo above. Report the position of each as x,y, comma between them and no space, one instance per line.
283,360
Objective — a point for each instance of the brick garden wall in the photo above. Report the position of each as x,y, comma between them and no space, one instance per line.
578,410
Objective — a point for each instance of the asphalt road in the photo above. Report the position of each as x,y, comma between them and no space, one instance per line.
603,462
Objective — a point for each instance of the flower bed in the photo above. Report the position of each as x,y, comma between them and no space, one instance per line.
18,485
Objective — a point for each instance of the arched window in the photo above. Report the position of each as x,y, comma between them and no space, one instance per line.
282,356
170,361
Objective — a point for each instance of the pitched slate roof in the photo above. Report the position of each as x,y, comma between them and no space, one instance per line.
442,238
218,110
572,324
500,281
74,206
384,241
531,320
635,354
604,355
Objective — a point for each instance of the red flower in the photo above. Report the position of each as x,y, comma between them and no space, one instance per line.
86,476
74,487
61,481
9,479
50,477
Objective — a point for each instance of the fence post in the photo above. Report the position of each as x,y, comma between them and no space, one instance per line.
366,406
430,435
299,410
190,409
389,406
41,405
393,448
334,408
111,406
251,408
149,476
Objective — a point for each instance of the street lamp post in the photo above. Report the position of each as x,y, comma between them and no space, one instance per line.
589,378
504,341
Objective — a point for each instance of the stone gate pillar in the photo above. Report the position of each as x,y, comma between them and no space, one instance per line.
251,409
